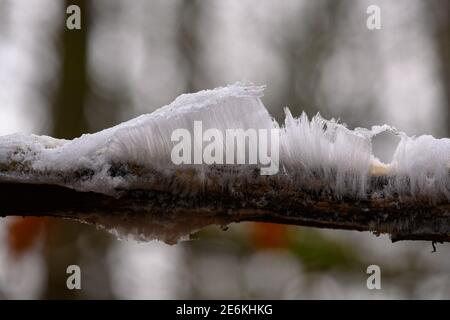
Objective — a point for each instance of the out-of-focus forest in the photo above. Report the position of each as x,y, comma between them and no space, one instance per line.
131,57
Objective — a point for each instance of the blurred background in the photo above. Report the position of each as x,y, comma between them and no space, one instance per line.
131,57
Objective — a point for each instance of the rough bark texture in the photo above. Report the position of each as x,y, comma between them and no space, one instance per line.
169,215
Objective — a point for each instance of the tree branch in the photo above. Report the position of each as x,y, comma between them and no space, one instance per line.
126,180
155,213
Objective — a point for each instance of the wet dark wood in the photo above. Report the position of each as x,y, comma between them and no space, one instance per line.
406,220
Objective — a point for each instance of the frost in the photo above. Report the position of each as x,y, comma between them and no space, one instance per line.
318,155
93,162
421,167
326,151
342,160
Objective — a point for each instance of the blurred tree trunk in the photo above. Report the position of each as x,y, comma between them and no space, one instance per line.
68,108
4,17
65,239
189,45
440,21
189,50
304,46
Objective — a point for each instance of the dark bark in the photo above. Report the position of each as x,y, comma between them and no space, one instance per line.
266,199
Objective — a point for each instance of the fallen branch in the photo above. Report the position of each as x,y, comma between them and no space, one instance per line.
124,180
161,214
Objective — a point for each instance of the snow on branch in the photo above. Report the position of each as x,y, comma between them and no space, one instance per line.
167,174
